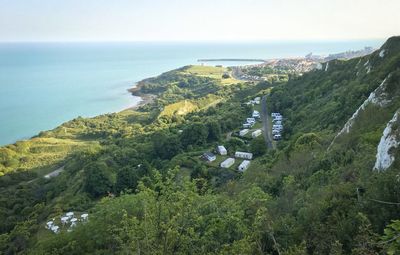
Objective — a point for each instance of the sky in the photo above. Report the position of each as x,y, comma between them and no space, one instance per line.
197,20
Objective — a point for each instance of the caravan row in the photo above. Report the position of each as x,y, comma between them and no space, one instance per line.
277,126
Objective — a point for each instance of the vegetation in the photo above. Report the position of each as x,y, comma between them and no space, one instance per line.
140,176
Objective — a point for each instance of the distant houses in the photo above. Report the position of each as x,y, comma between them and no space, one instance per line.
226,161
68,222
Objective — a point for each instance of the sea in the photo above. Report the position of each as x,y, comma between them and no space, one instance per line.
45,84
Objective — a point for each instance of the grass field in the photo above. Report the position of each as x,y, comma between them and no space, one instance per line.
39,154
212,72
186,106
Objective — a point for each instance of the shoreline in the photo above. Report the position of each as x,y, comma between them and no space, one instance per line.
145,98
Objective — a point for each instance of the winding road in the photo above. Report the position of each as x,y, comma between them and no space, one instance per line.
266,123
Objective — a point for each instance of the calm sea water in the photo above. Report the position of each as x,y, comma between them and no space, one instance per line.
45,84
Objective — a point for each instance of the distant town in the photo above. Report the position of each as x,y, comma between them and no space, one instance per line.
280,69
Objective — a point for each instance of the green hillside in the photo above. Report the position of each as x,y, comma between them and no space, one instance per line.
140,176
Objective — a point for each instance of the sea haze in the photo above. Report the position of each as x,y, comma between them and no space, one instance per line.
45,84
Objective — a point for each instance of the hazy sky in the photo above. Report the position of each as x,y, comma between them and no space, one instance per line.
175,20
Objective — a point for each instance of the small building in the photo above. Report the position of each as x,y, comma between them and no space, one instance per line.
256,114
277,137
276,132
244,155
73,222
251,120
64,220
228,163
209,156
222,150
69,214
278,122
277,127
49,224
274,114
246,125
244,165
55,229
85,216
243,132
256,133
277,118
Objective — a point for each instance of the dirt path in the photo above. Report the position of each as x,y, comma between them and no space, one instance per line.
266,123
50,175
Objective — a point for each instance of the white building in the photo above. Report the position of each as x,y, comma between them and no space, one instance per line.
49,224
222,150
247,125
244,165
275,132
244,155
243,132
277,127
256,114
55,229
277,118
277,137
69,214
274,114
228,163
85,216
64,220
278,122
256,133
209,156
251,120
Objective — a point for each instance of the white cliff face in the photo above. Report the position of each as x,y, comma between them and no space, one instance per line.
389,141
377,97
382,53
327,66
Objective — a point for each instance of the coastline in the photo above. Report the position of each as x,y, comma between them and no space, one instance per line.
145,98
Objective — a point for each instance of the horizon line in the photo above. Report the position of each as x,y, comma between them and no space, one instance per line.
199,41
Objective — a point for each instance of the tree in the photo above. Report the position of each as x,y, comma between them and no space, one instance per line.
98,180
214,131
258,146
127,178
195,134
166,145
391,238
